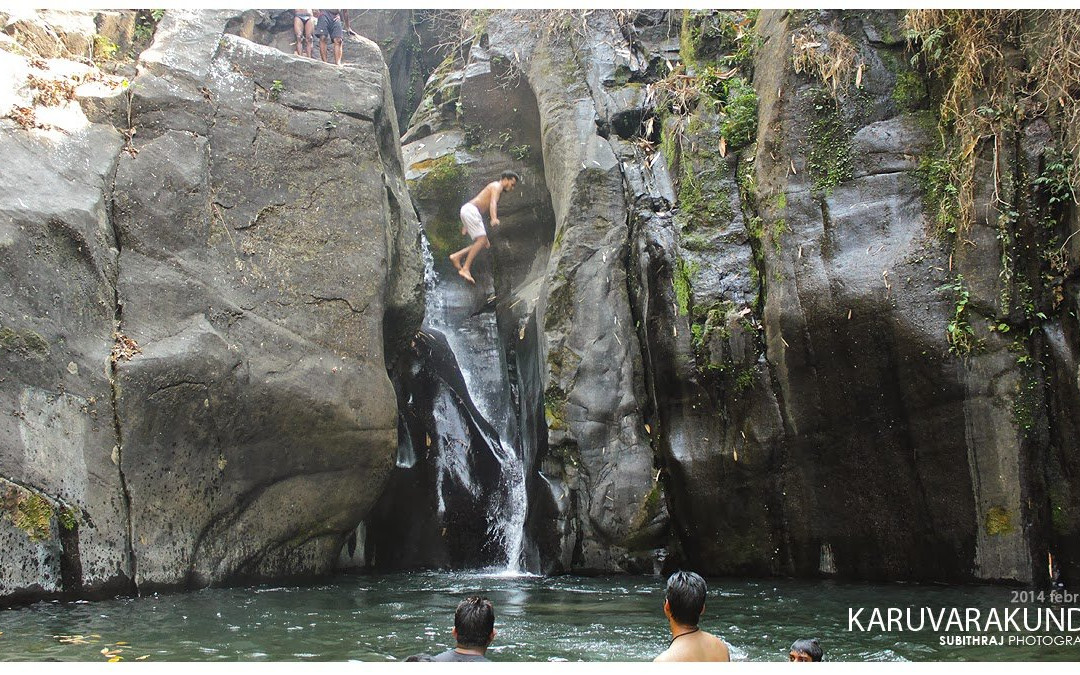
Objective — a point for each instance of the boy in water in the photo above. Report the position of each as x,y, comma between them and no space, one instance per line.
472,223
684,603
805,651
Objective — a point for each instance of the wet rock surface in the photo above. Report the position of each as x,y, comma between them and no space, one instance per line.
195,318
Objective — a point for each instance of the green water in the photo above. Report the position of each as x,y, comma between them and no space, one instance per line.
388,617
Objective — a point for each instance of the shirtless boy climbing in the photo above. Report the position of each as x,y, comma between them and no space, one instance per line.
472,223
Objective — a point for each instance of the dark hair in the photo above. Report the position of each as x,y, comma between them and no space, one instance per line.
510,174
474,621
419,657
810,647
686,597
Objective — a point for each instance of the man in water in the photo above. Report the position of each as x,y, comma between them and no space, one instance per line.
684,603
474,629
805,651
472,223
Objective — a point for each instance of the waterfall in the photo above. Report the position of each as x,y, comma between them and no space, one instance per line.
465,316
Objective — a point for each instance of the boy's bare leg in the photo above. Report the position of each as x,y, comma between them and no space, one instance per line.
456,257
298,29
339,50
309,32
480,243
322,48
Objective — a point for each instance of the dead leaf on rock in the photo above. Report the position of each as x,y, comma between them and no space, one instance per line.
124,348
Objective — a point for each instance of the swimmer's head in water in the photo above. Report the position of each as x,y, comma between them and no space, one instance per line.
805,650
474,622
685,597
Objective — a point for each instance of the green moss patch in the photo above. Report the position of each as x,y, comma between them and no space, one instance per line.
29,511
829,159
555,408
999,522
25,342
683,283
445,179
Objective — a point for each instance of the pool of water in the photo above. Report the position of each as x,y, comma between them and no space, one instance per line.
388,617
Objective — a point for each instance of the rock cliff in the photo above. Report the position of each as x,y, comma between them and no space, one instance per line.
756,347
205,266
779,293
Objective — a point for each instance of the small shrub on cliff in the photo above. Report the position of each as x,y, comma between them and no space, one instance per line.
739,125
959,333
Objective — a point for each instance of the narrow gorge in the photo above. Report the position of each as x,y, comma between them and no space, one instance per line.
779,293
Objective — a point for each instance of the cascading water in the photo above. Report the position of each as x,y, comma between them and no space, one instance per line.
466,317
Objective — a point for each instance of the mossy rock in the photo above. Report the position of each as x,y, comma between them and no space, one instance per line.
830,157
26,343
29,511
999,522
683,284
910,92
555,408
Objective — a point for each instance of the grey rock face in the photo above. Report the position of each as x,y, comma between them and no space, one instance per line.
769,355
599,463
257,265
57,316
255,249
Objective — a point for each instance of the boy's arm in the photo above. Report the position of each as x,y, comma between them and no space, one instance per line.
496,190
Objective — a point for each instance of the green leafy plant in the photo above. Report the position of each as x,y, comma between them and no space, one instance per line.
276,89
146,22
520,152
104,48
959,332
1054,180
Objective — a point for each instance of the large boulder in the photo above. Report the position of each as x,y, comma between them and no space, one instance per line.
198,312
265,234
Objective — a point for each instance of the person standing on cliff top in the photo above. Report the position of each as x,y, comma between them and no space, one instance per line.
304,28
684,603
472,223
329,25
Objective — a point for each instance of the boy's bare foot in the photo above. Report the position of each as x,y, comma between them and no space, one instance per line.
465,274
456,261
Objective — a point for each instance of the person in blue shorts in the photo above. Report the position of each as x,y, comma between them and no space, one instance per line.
332,24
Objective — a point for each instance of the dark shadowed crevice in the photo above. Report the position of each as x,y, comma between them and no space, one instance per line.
114,387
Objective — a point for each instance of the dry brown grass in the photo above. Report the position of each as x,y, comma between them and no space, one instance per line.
831,58
124,349
1055,72
998,68
677,92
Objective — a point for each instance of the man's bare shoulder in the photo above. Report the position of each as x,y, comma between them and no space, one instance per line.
666,655
705,647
